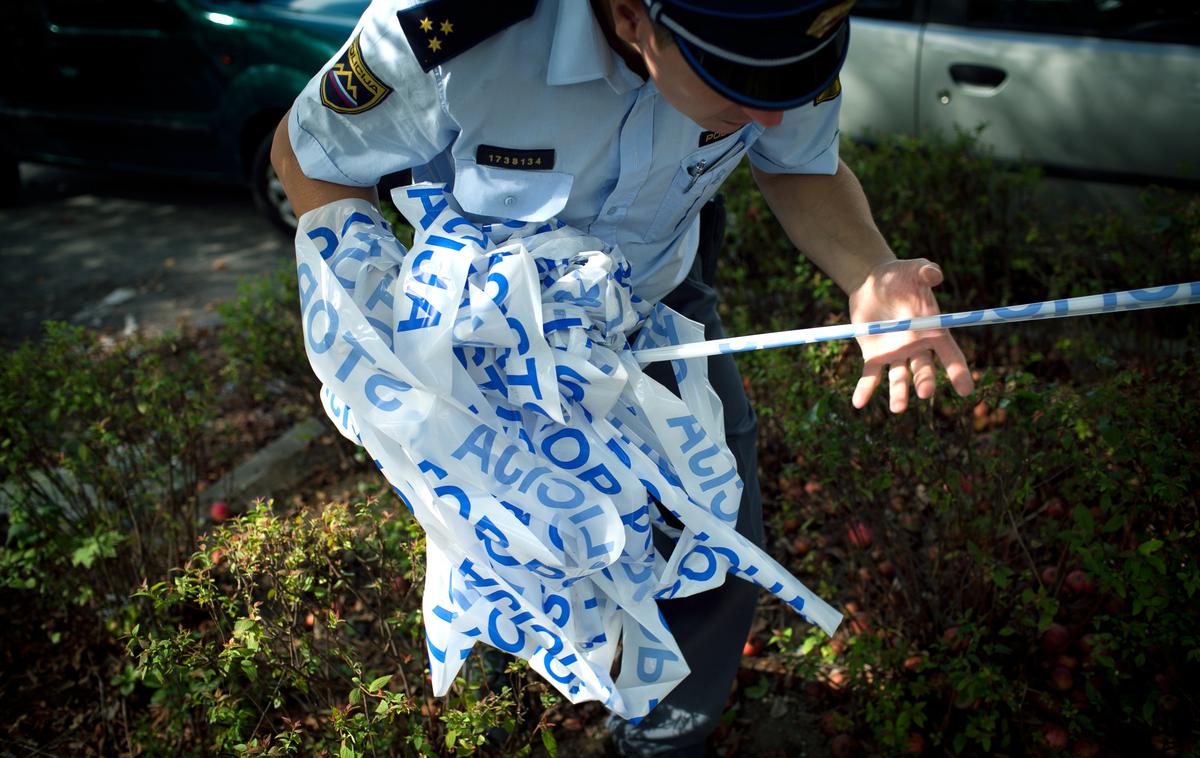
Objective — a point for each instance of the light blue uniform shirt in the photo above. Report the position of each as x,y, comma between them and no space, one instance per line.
627,167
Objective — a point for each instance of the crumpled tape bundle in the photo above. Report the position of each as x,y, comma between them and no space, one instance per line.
490,377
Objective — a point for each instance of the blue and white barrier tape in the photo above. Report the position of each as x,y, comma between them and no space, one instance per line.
1086,305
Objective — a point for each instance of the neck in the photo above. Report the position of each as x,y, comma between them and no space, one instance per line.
604,14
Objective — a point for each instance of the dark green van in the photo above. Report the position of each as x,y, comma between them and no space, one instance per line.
182,87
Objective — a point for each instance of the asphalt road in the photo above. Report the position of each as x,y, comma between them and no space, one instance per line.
121,253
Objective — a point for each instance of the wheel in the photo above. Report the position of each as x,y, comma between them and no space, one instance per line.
10,181
268,190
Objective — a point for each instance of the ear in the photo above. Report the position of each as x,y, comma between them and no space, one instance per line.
631,23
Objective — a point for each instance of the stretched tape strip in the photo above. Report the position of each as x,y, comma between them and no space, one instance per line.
1187,293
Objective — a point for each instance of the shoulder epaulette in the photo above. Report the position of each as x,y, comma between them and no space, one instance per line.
441,29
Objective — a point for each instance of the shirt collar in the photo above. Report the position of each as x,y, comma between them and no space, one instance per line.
580,53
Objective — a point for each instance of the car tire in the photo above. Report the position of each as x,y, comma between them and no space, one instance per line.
10,181
268,190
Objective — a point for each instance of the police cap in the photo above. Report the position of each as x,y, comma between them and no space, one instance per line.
765,54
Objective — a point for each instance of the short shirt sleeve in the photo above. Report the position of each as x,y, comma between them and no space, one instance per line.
806,142
371,111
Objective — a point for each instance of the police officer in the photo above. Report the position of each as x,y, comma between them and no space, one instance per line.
622,118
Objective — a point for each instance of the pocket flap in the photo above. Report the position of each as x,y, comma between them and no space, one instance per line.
504,193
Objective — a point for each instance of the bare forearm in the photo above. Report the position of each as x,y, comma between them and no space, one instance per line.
829,220
305,193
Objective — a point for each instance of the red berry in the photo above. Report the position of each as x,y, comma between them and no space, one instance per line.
219,511
1055,736
860,535
915,744
1056,639
1078,581
752,648
1061,679
1056,507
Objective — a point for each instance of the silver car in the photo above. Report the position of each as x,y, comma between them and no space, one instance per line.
1105,89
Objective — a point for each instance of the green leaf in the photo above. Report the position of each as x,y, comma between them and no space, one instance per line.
378,682
355,696
452,737
550,743
1149,546
960,742
759,689
1083,520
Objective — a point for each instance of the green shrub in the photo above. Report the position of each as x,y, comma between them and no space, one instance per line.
1016,568
301,635
100,453
263,342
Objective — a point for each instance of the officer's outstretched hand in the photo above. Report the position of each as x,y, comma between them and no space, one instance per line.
897,290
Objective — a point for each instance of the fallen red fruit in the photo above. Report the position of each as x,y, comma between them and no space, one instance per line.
1061,678
1056,507
1050,576
860,535
752,648
219,511
915,744
1078,581
802,545
1056,639
1054,736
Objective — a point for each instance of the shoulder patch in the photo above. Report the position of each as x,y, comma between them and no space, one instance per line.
830,93
441,29
349,86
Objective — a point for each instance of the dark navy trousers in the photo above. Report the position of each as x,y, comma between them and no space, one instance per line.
710,627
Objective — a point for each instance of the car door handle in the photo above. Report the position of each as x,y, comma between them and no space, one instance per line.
979,76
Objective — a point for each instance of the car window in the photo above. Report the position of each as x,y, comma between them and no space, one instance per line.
105,14
1151,20
899,10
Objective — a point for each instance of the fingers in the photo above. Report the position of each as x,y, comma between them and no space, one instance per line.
898,386
955,362
919,367
924,375
930,274
867,383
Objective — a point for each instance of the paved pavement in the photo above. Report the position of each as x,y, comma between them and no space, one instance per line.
123,252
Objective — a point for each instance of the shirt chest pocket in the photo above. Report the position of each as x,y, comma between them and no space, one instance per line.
697,179
503,193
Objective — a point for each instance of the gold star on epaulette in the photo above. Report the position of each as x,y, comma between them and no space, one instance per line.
440,30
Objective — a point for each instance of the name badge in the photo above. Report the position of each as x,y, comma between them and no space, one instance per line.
707,138
503,157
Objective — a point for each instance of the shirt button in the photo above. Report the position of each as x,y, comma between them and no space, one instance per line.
509,200
612,211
